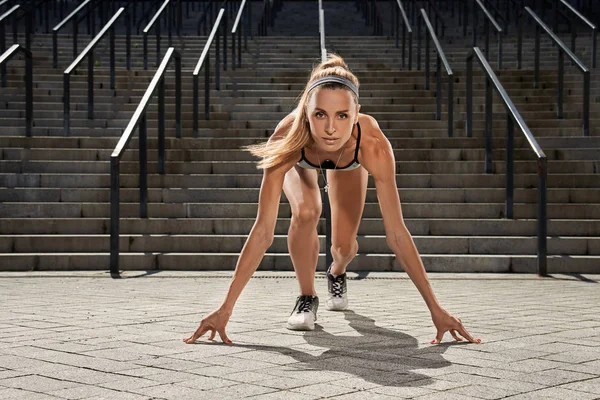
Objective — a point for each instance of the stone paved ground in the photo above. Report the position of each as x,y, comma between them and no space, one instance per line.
86,336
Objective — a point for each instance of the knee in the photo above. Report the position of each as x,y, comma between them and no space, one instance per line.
307,214
344,251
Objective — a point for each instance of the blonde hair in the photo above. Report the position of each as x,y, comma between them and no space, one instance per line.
276,151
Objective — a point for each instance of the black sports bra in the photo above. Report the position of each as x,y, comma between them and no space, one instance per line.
328,164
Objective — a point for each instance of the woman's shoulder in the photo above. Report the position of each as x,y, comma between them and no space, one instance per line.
371,135
283,126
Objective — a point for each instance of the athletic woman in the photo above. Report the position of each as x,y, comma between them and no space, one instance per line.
326,131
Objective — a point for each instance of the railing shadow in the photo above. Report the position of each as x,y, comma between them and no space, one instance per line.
381,356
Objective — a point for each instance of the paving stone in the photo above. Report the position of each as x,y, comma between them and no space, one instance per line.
482,392
10,394
36,383
554,393
86,391
590,386
323,390
376,350
239,391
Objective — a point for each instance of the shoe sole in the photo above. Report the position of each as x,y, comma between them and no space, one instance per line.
333,307
300,327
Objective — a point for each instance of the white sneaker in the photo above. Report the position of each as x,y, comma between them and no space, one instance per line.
337,299
304,315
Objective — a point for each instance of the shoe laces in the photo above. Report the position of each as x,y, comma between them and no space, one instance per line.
337,286
305,304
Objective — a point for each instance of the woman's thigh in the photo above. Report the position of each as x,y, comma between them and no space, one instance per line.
347,193
302,192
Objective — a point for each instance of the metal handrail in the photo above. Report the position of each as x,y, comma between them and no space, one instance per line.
586,22
205,61
4,58
486,27
11,12
150,25
89,53
438,16
441,59
562,51
145,16
60,25
139,119
497,13
405,28
512,117
238,26
322,46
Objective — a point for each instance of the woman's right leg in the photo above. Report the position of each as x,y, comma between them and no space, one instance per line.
302,191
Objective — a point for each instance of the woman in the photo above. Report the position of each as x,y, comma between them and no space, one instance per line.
326,125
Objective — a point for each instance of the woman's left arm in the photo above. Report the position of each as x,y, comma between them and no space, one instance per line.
379,160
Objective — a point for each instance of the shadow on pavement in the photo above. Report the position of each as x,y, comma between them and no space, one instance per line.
382,356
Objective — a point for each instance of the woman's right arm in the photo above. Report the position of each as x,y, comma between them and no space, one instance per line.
260,239
262,233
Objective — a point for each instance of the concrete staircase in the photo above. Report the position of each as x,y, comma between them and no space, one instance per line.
54,190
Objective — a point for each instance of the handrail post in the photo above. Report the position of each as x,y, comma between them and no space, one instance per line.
488,125
128,40
499,50
561,79
170,27
112,58
475,22
178,95
218,60
542,218
426,62
145,45
509,203
157,30
536,75
143,179
195,105
224,31
410,46
486,28
75,33
28,93
90,79
240,47
92,19
207,86
161,126
586,103
28,29
520,40
66,103
594,50
438,88
2,49
418,44
54,48
114,214
450,105
233,51
465,17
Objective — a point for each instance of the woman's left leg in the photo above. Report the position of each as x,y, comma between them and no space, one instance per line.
347,193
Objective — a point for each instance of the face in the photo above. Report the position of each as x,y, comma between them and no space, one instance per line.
331,114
